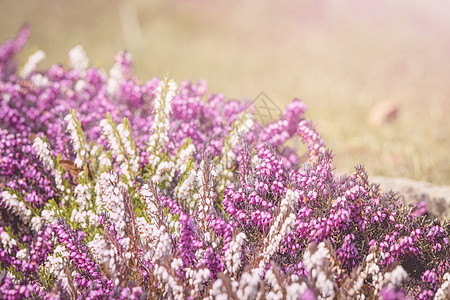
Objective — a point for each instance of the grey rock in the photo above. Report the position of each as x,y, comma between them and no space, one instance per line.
437,198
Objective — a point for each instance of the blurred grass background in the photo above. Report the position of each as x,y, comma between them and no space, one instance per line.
342,58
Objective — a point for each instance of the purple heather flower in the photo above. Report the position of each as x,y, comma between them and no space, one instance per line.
311,138
429,276
8,49
79,256
187,242
172,227
11,290
348,252
308,295
393,294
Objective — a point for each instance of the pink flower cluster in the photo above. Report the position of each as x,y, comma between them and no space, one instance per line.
116,188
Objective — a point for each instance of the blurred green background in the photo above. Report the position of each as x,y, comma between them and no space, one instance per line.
343,58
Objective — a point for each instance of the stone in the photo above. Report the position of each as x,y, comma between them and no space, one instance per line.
383,112
437,198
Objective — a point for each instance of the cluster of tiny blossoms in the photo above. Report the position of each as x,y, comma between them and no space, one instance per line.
116,188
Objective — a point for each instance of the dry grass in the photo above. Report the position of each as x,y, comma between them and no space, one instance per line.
341,59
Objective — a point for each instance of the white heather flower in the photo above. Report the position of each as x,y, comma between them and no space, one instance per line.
196,278
82,196
175,227
165,172
204,194
22,254
187,187
79,145
6,97
59,180
170,282
102,253
91,217
115,77
128,147
248,285
355,289
314,263
144,229
49,217
116,74
55,264
152,209
39,80
32,63
444,289
78,59
17,207
110,199
80,217
373,269
315,260
165,92
218,290
395,277
163,246
150,200
241,126
121,145
43,152
281,226
295,290
147,235
7,241
79,86
183,157
83,215
103,161
276,292
234,252
176,264
36,223
256,160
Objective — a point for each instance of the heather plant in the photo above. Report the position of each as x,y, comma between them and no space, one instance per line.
115,188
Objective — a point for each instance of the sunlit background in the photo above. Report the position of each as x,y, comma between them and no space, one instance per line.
374,74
